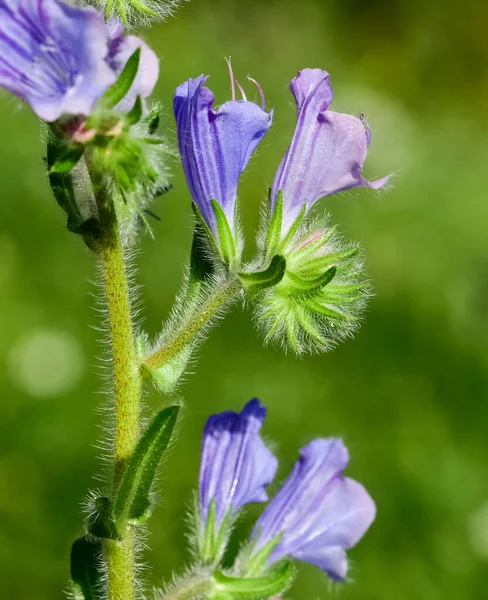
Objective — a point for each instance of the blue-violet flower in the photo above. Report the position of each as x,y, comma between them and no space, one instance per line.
327,152
318,513
61,59
236,466
216,145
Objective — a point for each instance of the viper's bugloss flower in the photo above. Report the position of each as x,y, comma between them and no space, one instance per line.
215,146
61,59
318,513
236,466
327,152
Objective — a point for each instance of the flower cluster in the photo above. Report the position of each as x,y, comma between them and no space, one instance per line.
317,299
315,517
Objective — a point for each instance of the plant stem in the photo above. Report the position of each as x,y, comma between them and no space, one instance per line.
126,381
194,324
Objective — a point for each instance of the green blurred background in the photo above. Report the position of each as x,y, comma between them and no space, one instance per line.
409,394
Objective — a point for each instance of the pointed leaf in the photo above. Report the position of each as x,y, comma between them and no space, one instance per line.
86,575
276,581
294,228
132,501
101,524
66,158
121,87
226,239
271,276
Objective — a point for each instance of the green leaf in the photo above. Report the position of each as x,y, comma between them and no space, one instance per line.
276,581
226,239
66,158
121,87
86,575
101,523
259,280
273,235
135,113
311,286
132,501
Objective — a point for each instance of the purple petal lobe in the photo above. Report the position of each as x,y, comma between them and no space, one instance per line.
215,145
236,466
61,59
53,56
327,151
318,511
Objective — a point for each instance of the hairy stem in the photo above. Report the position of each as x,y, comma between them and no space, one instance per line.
194,324
126,380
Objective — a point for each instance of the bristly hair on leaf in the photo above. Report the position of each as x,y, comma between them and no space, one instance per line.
321,298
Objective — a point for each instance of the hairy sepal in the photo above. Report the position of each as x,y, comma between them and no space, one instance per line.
213,541
255,281
276,580
319,300
139,12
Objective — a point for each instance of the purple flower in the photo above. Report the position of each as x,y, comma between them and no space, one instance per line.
318,512
216,145
61,59
236,466
327,152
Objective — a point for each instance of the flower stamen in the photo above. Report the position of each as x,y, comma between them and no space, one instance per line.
261,91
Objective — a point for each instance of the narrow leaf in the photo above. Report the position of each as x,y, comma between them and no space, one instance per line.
86,576
101,524
294,228
121,87
271,276
226,239
132,501
277,581
66,158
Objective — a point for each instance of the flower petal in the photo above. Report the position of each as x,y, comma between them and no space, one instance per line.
318,512
215,145
236,465
327,151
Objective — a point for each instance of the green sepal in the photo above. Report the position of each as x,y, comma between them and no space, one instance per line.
273,236
86,575
205,228
101,523
226,239
277,580
66,157
311,286
322,262
208,538
117,91
132,500
135,113
260,280
256,562
294,228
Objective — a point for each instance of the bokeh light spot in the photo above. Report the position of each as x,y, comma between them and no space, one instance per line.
46,363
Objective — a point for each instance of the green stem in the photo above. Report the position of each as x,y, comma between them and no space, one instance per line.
192,326
126,380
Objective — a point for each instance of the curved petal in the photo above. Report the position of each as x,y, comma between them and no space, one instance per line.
236,466
327,151
318,512
53,56
215,145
